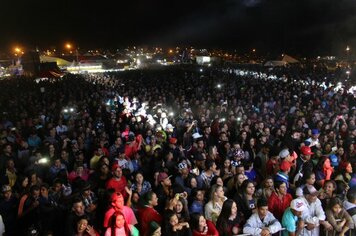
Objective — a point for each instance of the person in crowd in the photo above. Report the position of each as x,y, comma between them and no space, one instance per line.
147,212
267,188
198,202
262,222
214,206
247,200
119,226
230,220
283,174
328,192
117,181
163,190
117,204
155,229
279,200
338,217
82,227
292,218
141,186
350,204
173,227
308,179
29,210
314,215
181,209
201,226
8,210
77,211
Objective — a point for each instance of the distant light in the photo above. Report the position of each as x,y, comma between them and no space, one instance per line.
348,72
171,114
65,110
218,86
201,70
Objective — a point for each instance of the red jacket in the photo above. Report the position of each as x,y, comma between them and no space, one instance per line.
146,215
277,206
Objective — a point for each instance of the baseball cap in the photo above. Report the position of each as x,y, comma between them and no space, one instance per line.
285,165
310,190
115,166
197,135
162,176
298,205
315,131
182,165
5,188
306,150
334,160
284,153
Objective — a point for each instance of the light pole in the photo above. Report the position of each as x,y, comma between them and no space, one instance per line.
69,47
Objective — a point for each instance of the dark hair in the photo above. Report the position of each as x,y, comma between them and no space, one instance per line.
334,201
153,227
306,176
222,222
112,224
277,184
351,195
146,198
341,188
262,202
194,220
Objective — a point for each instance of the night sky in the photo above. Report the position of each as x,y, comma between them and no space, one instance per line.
302,27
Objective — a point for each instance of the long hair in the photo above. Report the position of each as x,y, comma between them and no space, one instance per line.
222,222
112,224
194,220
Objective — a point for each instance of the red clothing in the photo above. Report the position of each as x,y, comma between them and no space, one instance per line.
211,230
130,217
118,185
146,216
277,206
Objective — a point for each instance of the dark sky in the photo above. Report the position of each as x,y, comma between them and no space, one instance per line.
296,26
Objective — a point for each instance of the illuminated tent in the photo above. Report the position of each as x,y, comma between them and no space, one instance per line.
289,59
275,63
60,62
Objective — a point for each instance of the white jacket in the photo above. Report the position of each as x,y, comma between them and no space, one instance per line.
313,215
254,224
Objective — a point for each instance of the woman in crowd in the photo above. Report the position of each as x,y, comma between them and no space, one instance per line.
246,200
82,228
181,210
328,192
230,221
141,185
201,226
119,227
174,227
308,179
267,188
147,213
214,206
338,217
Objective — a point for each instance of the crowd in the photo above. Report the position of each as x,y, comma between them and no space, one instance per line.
177,152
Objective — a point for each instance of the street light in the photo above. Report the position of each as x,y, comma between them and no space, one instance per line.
347,54
69,46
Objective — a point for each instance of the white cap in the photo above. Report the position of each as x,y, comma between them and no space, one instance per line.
197,135
298,205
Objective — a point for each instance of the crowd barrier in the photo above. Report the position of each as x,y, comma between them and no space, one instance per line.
351,232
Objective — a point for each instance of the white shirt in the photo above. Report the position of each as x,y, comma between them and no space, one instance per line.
254,224
313,214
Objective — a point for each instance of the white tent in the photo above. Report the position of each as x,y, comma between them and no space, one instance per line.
275,63
289,59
